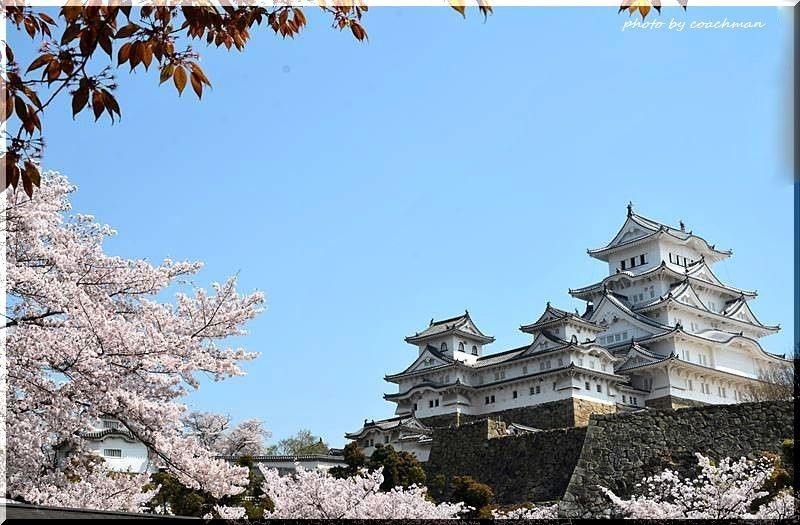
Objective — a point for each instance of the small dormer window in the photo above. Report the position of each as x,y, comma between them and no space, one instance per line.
461,346
444,347
474,350
623,265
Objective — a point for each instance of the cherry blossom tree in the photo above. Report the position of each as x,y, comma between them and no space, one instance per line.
726,490
315,494
544,512
87,336
214,433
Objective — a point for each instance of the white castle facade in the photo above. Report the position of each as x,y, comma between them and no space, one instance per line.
660,331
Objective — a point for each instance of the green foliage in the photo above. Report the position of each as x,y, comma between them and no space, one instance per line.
474,494
399,468
183,501
301,444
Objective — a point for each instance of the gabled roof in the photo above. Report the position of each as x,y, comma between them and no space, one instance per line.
556,317
462,325
106,432
405,422
608,298
738,307
430,352
709,336
699,273
681,297
638,228
638,355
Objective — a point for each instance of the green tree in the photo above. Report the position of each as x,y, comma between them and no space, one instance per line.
354,459
301,444
399,468
183,501
474,494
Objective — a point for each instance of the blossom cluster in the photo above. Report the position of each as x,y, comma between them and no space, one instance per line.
725,490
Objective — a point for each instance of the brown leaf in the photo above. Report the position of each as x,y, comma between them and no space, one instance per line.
105,44
39,62
32,172
147,54
19,105
123,53
79,100
197,84
70,34
127,31
166,72
97,104
46,18
27,183
458,5
111,104
12,174
179,78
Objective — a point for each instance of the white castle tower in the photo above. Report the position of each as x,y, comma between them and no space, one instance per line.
660,331
685,337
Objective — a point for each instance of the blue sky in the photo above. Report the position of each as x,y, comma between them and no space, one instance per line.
445,164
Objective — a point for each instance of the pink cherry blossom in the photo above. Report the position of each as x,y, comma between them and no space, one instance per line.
722,491
88,335
315,494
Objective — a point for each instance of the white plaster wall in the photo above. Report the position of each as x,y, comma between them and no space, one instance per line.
134,455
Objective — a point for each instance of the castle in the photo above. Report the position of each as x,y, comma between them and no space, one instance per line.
660,331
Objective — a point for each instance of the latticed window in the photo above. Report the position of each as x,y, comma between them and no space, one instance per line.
112,452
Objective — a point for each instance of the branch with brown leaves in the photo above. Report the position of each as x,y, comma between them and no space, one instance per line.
158,36
643,6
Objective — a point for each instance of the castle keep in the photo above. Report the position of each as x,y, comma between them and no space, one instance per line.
660,331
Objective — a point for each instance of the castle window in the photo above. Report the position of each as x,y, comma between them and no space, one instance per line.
524,370
430,403
560,361
603,367
415,407
112,452
641,259
539,389
436,403
689,384
532,391
487,400
623,265
580,361
633,262
623,398
444,347
480,379
547,365
474,350
385,439
635,401
461,346
554,386
110,423
600,388
591,364
514,394
586,385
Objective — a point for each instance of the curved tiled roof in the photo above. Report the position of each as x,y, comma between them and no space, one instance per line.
461,324
656,229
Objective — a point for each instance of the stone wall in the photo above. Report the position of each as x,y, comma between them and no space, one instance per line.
621,449
615,450
530,467
672,403
556,414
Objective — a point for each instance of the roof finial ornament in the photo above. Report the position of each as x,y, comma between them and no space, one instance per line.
466,312
431,322
683,226
548,304
630,208
679,325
